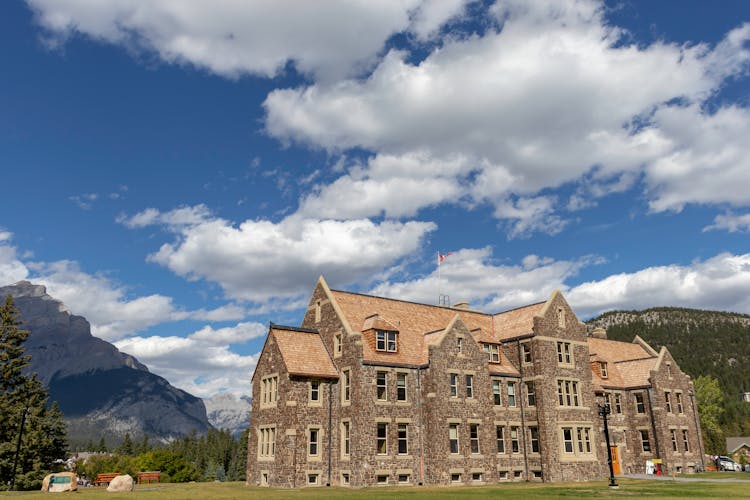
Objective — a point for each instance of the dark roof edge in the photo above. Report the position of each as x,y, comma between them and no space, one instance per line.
415,303
523,336
395,365
292,328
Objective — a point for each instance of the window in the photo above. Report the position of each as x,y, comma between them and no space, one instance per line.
673,433
312,479
267,441
561,317
313,439
496,392
459,344
493,350
469,386
455,477
317,311
502,475
534,435
345,478
385,341
514,439
453,438
511,394
639,405
401,386
345,385
567,435
382,479
584,439
314,390
685,440
645,443
337,346
530,393
269,390
618,403
345,438
381,384
500,436
474,438
476,476
567,393
667,402
669,370
678,395
403,439
603,368
563,353
454,385
608,402
526,351
382,438
403,478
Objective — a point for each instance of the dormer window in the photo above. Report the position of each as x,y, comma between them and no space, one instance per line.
385,341
603,367
493,350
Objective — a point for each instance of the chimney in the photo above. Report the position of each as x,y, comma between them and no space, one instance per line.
461,305
599,333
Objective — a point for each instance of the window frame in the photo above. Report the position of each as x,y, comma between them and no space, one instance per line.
500,438
381,438
469,386
453,384
497,396
530,393
511,394
313,445
474,439
386,341
453,439
403,438
381,385
401,392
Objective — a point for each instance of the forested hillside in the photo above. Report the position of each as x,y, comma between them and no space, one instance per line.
704,343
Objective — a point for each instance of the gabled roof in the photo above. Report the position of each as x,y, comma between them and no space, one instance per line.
516,322
629,365
303,352
412,320
735,443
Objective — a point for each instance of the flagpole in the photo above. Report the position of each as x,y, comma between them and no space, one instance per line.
438,264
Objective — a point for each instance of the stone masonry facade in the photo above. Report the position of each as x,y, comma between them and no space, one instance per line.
372,391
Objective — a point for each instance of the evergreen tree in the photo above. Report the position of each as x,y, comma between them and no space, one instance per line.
23,399
102,446
126,447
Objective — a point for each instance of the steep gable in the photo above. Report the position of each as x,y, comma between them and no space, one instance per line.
303,352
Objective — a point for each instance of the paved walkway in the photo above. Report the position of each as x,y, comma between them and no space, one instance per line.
687,479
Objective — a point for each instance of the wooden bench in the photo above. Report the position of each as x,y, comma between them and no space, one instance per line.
149,477
105,478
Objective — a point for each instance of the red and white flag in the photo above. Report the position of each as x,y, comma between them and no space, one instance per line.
443,256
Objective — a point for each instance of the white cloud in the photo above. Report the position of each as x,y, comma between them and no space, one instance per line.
175,218
721,282
471,275
11,268
201,363
555,96
730,222
260,260
328,38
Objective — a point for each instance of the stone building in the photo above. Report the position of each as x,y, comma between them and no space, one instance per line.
374,391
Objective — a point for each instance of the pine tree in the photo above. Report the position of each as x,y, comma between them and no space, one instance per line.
23,399
126,447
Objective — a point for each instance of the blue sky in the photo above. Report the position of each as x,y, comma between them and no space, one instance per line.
181,173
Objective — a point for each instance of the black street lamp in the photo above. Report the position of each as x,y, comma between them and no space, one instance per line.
604,410
18,448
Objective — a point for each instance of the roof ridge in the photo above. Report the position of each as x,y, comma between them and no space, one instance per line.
519,307
293,328
470,311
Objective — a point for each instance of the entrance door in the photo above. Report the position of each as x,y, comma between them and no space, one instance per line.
615,461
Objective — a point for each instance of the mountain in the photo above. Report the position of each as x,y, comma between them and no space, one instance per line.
711,343
100,390
226,411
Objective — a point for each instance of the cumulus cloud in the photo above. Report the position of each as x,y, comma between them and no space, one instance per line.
328,38
721,282
259,259
201,363
554,95
730,222
175,218
11,267
472,275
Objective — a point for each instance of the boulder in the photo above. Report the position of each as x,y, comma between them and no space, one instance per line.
121,483
60,481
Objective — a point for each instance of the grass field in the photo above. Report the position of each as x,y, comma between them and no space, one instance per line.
629,488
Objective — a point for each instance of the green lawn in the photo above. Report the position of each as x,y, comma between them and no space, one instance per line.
629,488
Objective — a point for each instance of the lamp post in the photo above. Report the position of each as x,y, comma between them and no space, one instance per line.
603,412
18,448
